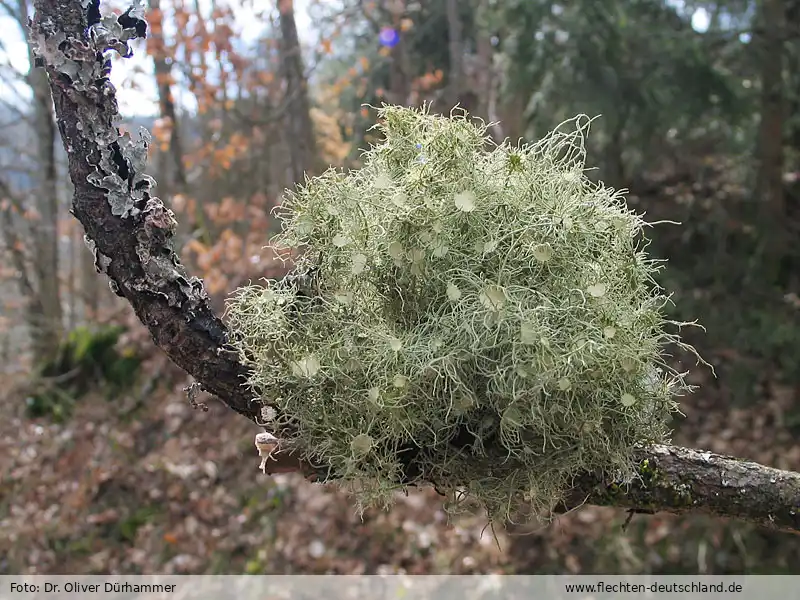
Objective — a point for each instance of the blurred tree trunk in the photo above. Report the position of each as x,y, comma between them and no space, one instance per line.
615,174
89,285
14,245
47,326
484,75
456,53
171,171
769,183
793,88
400,67
793,31
792,142
302,145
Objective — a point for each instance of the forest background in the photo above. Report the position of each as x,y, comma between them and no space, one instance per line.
105,466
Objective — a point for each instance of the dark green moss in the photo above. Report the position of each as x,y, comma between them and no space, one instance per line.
649,474
88,358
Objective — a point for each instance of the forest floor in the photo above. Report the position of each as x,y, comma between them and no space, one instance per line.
144,483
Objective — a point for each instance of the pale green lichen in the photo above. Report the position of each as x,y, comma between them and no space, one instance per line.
500,314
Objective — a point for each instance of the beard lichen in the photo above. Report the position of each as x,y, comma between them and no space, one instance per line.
478,317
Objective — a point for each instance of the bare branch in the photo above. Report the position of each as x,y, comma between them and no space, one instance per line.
681,480
672,479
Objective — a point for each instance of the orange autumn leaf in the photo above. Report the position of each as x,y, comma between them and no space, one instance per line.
196,246
326,46
170,538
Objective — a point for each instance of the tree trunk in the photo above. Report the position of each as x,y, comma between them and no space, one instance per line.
171,169
770,134
47,326
614,163
792,160
302,144
484,76
32,307
399,67
456,52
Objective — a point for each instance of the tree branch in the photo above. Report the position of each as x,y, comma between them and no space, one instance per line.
681,480
131,233
675,480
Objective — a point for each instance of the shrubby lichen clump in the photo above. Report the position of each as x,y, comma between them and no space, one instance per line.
481,319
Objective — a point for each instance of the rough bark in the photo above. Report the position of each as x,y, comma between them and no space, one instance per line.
131,232
682,480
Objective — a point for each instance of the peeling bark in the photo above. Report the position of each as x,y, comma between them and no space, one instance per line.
131,235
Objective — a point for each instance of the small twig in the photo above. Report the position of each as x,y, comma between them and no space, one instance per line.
628,520
63,378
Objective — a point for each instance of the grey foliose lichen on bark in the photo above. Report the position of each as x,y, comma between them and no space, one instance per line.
81,66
